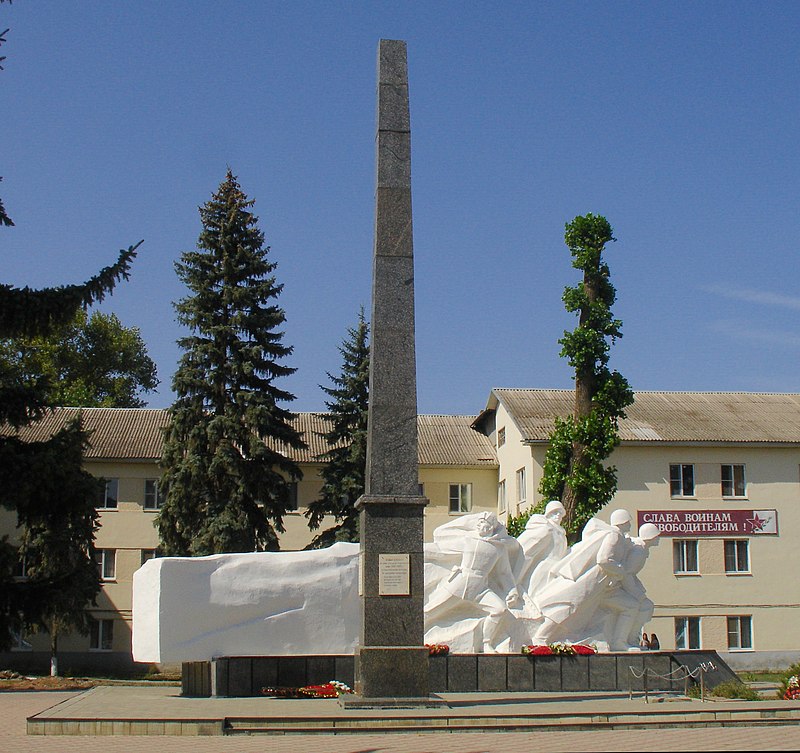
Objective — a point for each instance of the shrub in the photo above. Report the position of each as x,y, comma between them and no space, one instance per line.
735,689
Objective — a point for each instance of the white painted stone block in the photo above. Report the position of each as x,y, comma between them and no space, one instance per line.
259,604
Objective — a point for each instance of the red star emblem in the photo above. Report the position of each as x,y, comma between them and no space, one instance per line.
757,524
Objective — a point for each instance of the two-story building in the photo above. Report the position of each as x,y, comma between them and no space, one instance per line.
457,472
719,473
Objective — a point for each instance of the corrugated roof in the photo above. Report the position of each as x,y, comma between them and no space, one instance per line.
136,434
131,433
451,440
727,417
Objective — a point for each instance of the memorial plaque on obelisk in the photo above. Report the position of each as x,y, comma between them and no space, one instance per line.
392,661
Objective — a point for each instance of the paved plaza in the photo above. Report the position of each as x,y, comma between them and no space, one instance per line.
16,707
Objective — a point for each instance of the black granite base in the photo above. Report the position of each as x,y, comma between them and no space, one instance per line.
244,676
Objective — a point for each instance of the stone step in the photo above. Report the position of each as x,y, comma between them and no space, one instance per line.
703,716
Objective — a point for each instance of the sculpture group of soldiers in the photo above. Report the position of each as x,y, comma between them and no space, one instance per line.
500,591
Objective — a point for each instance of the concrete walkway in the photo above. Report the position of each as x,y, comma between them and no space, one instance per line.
107,703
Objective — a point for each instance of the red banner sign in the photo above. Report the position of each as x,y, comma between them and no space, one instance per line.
712,522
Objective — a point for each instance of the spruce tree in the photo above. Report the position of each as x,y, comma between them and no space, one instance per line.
346,457
55,502
226,465
575,471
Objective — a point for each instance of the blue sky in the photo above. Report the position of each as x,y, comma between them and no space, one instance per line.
677,121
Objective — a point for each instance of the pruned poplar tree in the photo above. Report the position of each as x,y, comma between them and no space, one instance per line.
346,458
575,469
226,462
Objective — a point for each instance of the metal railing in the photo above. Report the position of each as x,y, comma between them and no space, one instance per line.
682,672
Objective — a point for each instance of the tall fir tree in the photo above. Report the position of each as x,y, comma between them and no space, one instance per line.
346,459
226,466
575,470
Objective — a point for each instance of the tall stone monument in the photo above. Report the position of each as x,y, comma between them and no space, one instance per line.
391,661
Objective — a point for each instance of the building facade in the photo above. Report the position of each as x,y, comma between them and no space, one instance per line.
458,473
719,473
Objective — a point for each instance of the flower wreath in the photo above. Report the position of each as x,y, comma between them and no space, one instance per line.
559,649
332,689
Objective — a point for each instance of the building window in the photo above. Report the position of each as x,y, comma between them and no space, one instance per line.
150,554
681,480
19,642
733,481
521,489
21,567
291,504
740,633
737,556
460,498
501,436
501,497
106,563
152,495
687,632
684,556
101,635
108,495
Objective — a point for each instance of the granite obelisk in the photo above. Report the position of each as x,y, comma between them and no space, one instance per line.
392,661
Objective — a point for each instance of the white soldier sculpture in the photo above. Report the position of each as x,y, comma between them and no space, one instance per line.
583,580
628,606
483,579
472,603
544,544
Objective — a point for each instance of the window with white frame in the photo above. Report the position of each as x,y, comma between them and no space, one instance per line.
681,480
737,556
684,556
101,635
501,436
152,495
740,633
501,497
732,480
687,632
107,496
460,498
106,563
521,488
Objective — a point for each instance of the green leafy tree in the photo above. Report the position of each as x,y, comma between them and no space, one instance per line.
346,458
575,470
92,362
226,465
